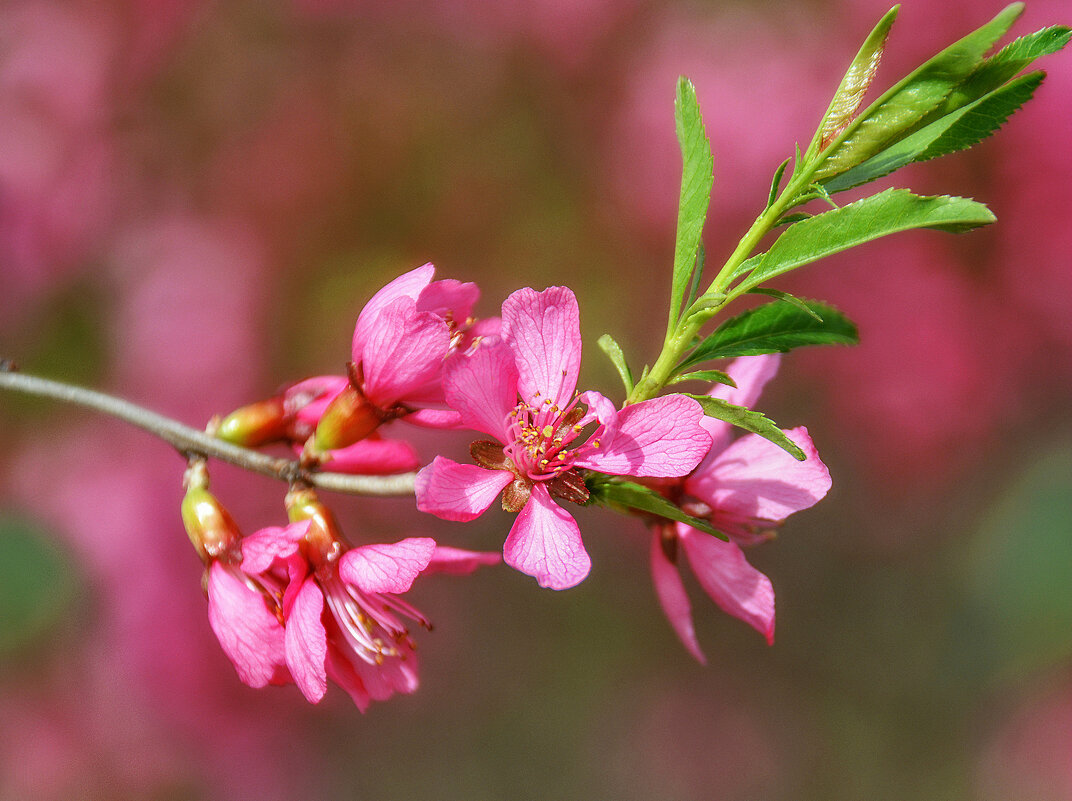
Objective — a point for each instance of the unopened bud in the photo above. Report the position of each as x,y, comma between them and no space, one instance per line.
324,538
349,418
208,525
256,424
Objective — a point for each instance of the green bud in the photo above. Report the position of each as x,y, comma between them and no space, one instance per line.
349,418
256,424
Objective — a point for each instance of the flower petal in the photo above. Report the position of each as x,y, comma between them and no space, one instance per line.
436,418
658,438
482,387
248,632
460,562
306,400
751,374
449,296
373,457
387,568
342,672
737,587
543,329
670,590
408,285
306,642
754,478
545,542
403,354
262,548
455,491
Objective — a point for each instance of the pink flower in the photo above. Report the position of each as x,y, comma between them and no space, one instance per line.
402,336
239,605
538,359
341,615
745,488
249,633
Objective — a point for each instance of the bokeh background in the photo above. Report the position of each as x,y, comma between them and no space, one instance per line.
196,198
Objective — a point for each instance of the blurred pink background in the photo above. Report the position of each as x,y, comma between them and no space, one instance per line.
197,198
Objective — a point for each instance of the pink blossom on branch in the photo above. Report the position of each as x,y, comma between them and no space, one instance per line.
746,488
521,391
339,606
401,338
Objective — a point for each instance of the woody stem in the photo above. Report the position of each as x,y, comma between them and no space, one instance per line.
189,440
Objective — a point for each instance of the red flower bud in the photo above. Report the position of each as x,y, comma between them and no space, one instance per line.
208,525
256,424
349,418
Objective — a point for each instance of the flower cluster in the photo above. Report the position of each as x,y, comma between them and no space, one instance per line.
297,604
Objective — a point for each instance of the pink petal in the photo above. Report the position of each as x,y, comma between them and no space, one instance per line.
670,590
482,387
373,456
262,548
387,568
486,329
449,297
408,285
545,542
458,561
737,587
248,632
436,418
659,438
342,672
460,492
307,400
754,478
403,354
543,330
751,374
306,642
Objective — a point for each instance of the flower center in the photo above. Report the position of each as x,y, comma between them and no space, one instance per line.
539,436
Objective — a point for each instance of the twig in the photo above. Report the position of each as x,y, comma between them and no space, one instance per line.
189,440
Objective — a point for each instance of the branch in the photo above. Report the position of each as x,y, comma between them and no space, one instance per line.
191,441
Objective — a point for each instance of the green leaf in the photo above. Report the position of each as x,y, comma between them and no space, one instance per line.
780,295
1006,63
609,346
879,215
776,182
697,179
958,130
909,101
854,85
717,376
636,496
789,219
775,328
749,420
697,274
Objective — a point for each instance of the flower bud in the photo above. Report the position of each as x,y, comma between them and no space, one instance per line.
349,418
208,525
324,538
256,424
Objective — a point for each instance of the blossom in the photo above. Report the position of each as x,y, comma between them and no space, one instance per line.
745,488
521,390
402,336
339,608
248,631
